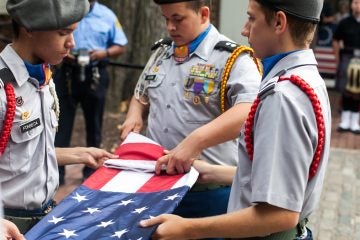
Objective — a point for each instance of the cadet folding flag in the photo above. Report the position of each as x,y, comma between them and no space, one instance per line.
110,204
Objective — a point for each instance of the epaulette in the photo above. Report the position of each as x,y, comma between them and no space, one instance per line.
6,76
268,88
163,41
226,45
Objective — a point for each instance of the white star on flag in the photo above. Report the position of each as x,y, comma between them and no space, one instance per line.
55,220
140,210
91,210
80,198
119,233
105,224
126,202
68,233
172,197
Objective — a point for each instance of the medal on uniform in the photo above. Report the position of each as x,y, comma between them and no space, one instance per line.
47,73
155,69
197,88
25,115
181,54
187,94
208,88
206,99
196,100
19,101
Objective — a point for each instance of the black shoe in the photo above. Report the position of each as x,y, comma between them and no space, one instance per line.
340,129
357,131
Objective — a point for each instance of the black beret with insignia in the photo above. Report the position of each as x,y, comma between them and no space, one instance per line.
170,1
308,10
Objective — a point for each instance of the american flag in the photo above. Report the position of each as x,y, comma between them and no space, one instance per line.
110,203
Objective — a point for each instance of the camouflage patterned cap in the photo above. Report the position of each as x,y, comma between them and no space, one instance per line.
47,15
308,10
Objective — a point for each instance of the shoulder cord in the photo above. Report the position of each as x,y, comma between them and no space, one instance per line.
227,69
304,86
56,106
9,117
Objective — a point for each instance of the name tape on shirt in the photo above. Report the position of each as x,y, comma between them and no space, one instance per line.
30,125
150,77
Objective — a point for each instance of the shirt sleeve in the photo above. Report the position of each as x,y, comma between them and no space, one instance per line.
284,144
117,34
244,81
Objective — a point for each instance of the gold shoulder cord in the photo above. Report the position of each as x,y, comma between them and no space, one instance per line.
227,69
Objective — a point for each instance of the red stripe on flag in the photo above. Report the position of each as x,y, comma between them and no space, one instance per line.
159,183
327,69
140,151
100,177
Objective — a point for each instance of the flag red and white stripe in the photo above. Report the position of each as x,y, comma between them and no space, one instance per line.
134,171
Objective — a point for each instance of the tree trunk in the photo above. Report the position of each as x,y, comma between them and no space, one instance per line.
142,25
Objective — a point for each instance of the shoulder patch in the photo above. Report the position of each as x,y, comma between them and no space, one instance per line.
226,45
163,41
6,76
267,89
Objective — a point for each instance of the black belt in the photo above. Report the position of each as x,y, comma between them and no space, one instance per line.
38,212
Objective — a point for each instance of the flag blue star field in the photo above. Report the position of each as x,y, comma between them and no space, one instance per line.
112,201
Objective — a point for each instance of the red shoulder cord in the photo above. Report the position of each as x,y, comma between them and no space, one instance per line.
304,86
9,117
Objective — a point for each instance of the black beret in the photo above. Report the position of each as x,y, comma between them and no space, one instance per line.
47,15
170,1
308,10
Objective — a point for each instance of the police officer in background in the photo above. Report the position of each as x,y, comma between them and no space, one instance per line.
83,76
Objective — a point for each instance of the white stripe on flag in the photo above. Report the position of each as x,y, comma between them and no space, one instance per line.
138,138
127,182
188,179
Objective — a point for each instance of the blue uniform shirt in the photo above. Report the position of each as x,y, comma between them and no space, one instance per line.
99,29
